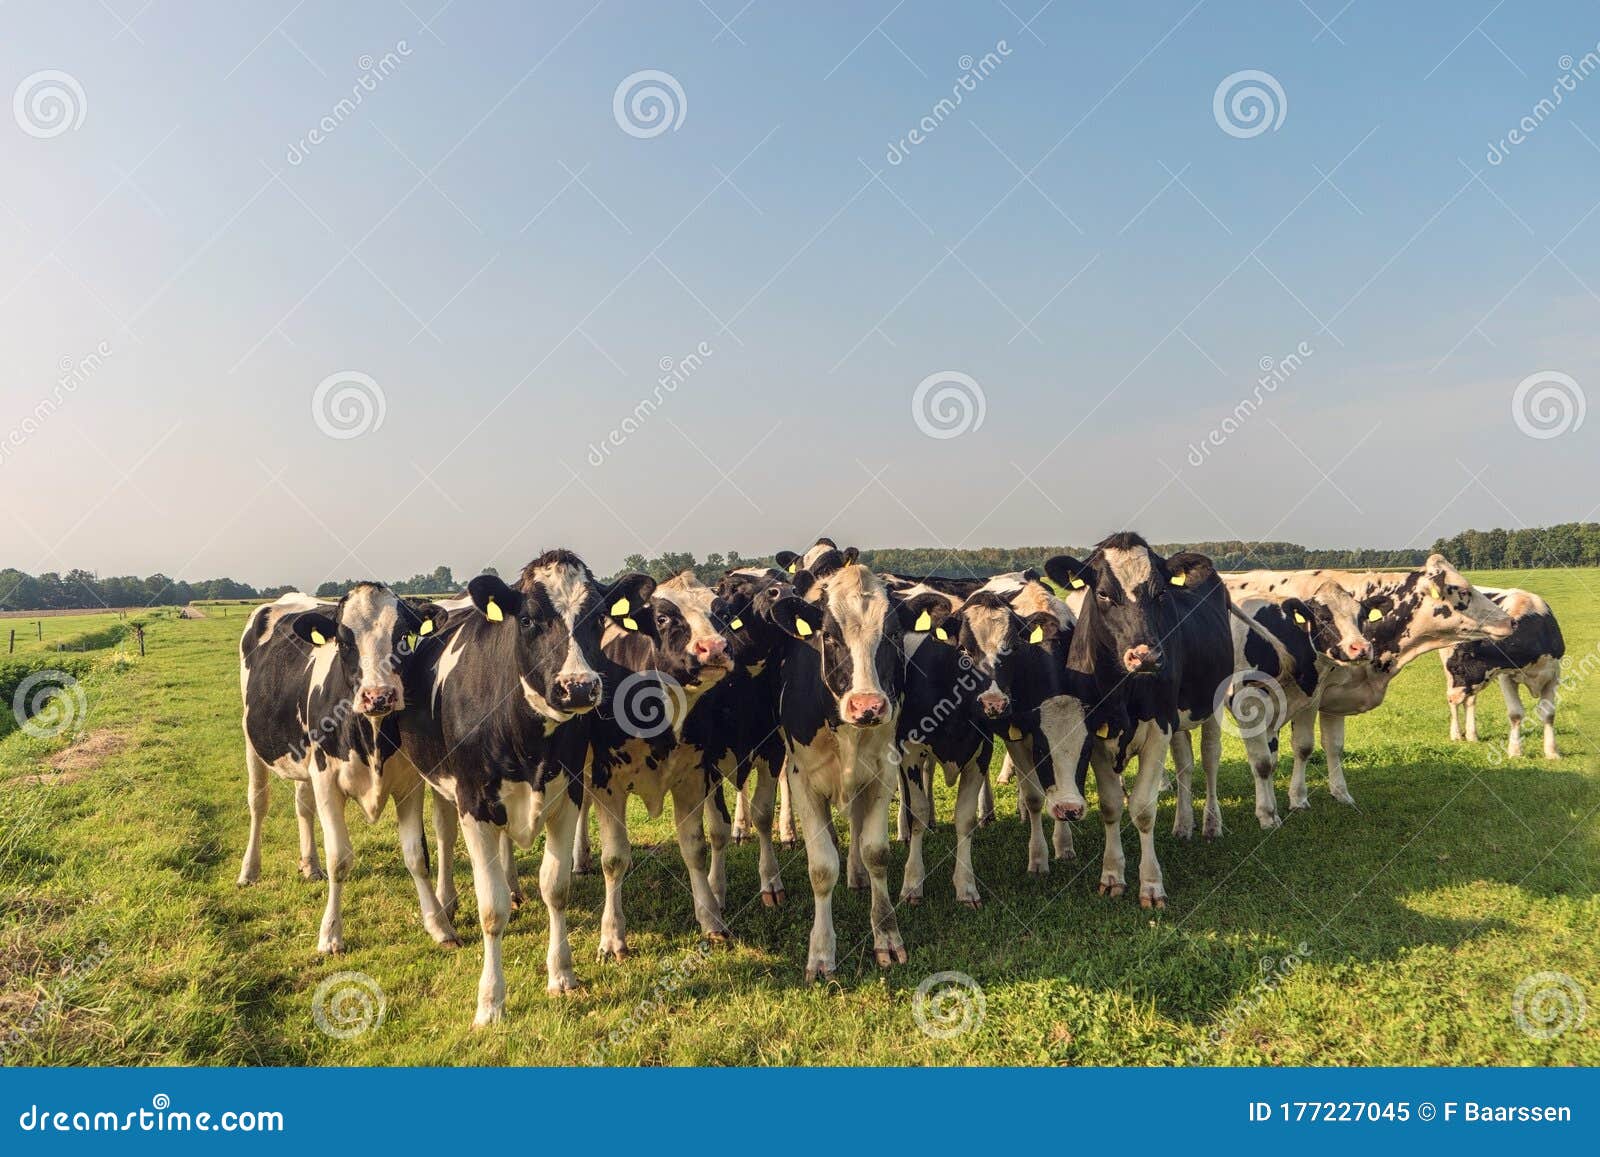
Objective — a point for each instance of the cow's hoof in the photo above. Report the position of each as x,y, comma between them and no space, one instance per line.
1301,805
1069,854
452,942
1269,822
1344,797
772,897
517,901
889,957
564,986
486,1017
820,972
245,881
617,952
720,937
334,947
1149,901
312,872
971,902
1111,889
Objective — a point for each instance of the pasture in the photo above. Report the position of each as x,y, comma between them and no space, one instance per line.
1394,932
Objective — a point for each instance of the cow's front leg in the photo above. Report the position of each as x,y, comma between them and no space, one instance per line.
1030,801
1183,777
582,854
741,816
786,820
985,800
445,829
1513,698
688,800
1210,760
1302,741
616,857
719,825
1545,690
414,850
1333,748
256,799
336,839
508,857
763,801
484,846
305,815
1144,799
822,860
1263,768
1109,787
560,816
915,786
1455,722
869,832
969,816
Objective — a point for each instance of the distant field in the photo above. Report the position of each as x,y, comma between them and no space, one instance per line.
1394,932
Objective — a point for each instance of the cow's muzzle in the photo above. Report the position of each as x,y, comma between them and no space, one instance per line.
1142,659
865,709
576,693
1069,811
994,704
376,702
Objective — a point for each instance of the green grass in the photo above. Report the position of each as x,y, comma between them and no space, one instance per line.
1457,875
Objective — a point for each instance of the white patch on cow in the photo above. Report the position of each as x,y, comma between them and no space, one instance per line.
1131,567
553,716
371,614
859,602
693,600
446,665
569,589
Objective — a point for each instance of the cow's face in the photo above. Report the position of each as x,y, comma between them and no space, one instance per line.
559,613
1128,608
1436,606
743,610
1335,621
692,645
374,633
987,632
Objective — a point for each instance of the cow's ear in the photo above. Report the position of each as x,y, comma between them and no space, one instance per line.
1066,571
851,555
627,601
1298,612
922,612
315,628
1189,568
948,629
1041,627
495,601
787,560
826,563
430,616
1374,609
797,617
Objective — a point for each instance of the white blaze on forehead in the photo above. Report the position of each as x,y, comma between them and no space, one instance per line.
569,589
989,626
1131,567
372,614
1344,608
809,558
693,600
859,603
1033,597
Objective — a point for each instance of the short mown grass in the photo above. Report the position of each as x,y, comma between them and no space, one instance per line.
1395,932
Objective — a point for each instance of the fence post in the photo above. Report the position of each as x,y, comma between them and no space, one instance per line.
13,646
40,625
138,633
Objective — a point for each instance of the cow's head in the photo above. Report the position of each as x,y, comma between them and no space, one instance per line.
1335,621
743,610
1128,610
988,633
845,613
692,646
558,613
374,633
1434,607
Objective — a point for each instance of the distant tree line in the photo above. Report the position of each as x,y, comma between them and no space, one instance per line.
1566,544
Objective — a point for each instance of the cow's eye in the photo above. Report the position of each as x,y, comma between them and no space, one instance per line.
1103,597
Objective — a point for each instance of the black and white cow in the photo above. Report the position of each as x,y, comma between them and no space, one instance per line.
1150,649
1429,608
500,723
322,684
843,679
1530,657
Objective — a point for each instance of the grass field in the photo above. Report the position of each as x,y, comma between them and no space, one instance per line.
1393,932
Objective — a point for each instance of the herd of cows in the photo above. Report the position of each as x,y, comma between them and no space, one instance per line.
525,707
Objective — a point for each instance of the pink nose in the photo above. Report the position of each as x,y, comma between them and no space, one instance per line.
865,707
1359,650
994,702
1069,811
372,700
713,647
1142,658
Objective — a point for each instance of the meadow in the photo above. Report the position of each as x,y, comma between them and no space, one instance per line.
1393,932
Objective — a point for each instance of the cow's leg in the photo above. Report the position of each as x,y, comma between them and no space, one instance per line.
718,828
969,816
822,860
688,800
582,852
305,814
869,832
1183,777
414,850
916,783
905,825
855,868
741,816
1109,787
1513,698
336,840
484,846
1264,767
1302,741
555,886
508,857
985,800
1143,800
1545,692
1008,769
1030,801
616,857
763,800
1210,760
1333,748
446,825
1472,713
256,797
1455,722
786,821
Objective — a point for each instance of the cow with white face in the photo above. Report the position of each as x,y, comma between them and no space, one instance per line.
1428,609
842,683
322,684
501,707
1530,657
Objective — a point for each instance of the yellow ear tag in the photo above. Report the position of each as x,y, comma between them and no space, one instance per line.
1179,580
426,628
631,624
1037,636
923,623
736,625
1299,618
1077,584
317,637
802,628
941,634
620,607
493,613
792,565
1374,615
1434,590
411,642
1015,733
1103,731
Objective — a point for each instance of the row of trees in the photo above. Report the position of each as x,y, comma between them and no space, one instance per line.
1565,545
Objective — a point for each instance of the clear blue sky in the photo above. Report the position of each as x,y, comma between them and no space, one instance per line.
484,241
